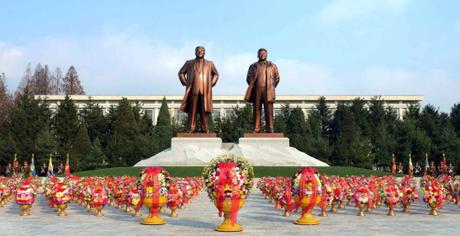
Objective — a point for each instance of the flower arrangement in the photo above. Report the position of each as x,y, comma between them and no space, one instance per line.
228,181
434,194
306,189
361,196
100,196
25,194
154,193
392,195
151,180
242,175
62,194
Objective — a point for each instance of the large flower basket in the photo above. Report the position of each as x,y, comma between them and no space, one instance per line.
155,185
306,189
434,195
99,199
228,181
62,196
25,197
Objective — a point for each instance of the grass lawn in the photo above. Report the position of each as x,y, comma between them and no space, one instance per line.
183,171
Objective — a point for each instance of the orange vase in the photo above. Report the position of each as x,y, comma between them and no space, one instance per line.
307,218
154,218
227,225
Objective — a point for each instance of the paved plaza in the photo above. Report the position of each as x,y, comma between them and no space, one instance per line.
200,218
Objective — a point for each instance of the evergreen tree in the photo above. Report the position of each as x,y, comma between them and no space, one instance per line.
163,128
95,120
228,130
234,125
46,144
124,135
79,156
361,115
244,119
383,143
319,121
279,122
455,117
323,114
413,111
66,125
28,120
6,105
96,157
146,144
298,131
446,141
350,147
412,139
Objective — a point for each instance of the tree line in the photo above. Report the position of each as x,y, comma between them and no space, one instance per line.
359,133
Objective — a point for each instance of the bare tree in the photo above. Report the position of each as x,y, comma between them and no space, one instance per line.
5,100
56,79
26,81
71,84
42,83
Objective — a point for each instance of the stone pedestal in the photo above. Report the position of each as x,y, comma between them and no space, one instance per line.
272,149
197,142
196,135
265,142
263,149
195,149
263,135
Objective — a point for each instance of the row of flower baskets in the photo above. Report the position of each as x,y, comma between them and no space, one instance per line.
95,193
365,193
228,181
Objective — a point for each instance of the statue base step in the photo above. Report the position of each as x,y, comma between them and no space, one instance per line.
196,135
263,135
198,149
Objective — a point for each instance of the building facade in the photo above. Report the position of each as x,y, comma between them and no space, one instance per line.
224,105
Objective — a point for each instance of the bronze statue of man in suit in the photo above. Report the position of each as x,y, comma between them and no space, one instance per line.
262,78
199,76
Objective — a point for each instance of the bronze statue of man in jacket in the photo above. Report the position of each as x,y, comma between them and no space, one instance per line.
199,76
262,78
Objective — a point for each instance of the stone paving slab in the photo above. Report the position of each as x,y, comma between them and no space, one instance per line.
258,217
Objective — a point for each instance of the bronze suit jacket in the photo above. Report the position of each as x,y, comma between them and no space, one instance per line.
273,78
189,73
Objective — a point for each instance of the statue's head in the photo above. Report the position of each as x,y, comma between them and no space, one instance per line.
200,52
262,54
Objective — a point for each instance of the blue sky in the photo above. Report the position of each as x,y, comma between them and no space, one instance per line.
321,47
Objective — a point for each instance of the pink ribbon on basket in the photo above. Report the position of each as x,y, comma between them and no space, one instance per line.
226,178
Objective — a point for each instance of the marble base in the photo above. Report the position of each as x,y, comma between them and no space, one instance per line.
260,151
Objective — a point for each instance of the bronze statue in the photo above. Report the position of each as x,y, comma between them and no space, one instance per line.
199,76
262,78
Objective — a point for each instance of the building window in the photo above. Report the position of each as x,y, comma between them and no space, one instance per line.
181,116
215,113
149,114
277,112
228,112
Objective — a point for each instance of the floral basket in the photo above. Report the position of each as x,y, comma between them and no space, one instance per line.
155,186
228,181
306,189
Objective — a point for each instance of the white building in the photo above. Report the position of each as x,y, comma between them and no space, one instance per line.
224,105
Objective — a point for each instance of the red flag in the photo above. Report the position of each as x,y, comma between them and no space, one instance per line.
393,165
15,162
67,166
